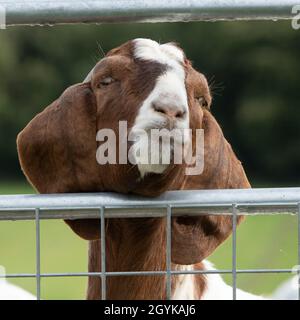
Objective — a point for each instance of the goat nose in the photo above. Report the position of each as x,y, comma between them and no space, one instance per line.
170,111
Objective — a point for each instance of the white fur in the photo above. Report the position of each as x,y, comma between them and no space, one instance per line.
169,89
185,289
148,49
287,290
9,291
216,288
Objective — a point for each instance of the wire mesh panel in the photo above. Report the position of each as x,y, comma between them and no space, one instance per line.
175,203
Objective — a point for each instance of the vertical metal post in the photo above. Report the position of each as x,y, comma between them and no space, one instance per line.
234,222
298,268
103,254
38,256
168,252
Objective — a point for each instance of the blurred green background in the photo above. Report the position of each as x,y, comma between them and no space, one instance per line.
253,69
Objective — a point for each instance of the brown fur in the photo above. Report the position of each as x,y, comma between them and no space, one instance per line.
57,152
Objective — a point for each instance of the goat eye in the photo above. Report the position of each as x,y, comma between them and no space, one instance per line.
202,101
106,81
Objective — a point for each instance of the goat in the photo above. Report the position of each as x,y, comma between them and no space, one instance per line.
150,86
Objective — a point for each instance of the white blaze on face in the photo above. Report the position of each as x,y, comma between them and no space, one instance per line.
169,90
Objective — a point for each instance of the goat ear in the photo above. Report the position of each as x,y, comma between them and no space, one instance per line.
195,238
57,149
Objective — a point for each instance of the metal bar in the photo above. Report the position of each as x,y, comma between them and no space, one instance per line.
168,252
38,12
103,255
234,220
38,255
298,267
147,273
145,212
76,206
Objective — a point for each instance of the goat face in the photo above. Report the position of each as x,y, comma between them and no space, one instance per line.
151,86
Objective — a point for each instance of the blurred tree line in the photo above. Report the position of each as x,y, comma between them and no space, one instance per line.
253,69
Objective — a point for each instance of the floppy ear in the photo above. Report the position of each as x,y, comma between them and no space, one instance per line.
195,238
57,149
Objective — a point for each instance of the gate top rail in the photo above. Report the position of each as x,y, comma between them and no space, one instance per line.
194,202
43,12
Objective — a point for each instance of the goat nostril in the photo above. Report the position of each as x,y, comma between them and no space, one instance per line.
180,114
169,111
158,108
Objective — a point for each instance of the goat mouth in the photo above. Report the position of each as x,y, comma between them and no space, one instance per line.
155,157
156,146
167,125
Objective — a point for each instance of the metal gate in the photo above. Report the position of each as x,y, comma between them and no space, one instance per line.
174,203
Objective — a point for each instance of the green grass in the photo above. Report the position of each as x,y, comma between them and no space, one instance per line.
61,251
263,242
15,187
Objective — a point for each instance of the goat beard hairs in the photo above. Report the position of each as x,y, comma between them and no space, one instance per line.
57,154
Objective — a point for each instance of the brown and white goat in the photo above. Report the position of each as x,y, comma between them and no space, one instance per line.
150,86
